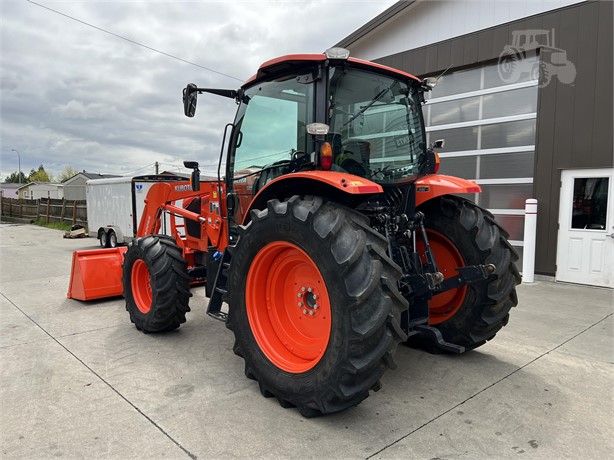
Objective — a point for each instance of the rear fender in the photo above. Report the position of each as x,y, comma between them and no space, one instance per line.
434,185
344,188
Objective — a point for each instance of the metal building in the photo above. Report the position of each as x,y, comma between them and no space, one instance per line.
525,107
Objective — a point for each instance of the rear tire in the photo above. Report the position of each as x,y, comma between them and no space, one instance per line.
465,234
328,361
156,284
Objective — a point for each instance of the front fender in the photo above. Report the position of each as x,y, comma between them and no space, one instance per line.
434,185
342,187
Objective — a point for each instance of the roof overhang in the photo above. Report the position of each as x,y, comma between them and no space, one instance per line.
375,23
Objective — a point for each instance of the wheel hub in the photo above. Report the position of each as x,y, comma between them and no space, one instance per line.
307,300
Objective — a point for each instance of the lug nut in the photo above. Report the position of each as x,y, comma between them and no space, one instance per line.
315,306
315,297
311,313
303,289
300,304
300,295
310,290
304,311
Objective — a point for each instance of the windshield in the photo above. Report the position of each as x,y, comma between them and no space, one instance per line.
376,127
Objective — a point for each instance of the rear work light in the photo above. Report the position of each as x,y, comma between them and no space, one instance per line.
326,156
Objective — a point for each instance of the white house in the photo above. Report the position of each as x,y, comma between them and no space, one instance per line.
37,190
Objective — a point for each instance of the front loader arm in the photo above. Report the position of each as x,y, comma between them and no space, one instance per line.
164,196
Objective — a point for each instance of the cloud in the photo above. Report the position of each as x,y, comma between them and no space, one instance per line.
74,95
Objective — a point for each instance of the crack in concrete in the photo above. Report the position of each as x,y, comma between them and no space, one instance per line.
487,388
149,419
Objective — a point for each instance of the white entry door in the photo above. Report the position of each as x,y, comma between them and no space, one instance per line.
585,246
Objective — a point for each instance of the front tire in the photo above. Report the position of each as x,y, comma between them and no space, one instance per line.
461,233
320,359
156,284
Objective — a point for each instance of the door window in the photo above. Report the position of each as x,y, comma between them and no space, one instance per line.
590,203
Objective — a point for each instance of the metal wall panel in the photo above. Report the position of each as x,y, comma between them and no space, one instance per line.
574,121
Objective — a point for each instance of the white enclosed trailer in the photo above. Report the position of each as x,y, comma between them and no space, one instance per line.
115,205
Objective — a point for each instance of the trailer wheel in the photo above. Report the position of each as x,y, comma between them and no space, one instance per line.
104,239
461,233
156,284
112,239
313,304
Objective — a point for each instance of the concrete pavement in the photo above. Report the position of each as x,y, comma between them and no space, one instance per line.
77,380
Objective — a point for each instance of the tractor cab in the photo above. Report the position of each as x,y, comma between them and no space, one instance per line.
323,112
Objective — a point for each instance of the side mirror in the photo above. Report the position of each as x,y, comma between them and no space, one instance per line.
195,177
189,100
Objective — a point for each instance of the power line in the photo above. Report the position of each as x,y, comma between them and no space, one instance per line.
138,169
134,42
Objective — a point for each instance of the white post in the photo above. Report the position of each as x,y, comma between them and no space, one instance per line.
530,232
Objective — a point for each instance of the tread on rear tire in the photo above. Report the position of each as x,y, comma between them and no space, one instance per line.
479,239
360,281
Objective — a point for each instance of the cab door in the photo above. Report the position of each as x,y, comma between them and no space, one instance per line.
269,132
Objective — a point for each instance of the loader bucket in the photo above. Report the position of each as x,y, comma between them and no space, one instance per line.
96,273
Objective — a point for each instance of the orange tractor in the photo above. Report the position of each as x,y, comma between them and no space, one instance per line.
327,239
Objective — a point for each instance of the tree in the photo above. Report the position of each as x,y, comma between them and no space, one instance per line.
13,178
66,173
40,175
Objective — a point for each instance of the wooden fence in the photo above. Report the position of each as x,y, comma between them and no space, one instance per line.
47,210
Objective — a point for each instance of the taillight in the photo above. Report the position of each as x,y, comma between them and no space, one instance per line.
326,156
437,162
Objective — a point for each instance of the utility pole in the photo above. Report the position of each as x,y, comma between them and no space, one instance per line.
157,167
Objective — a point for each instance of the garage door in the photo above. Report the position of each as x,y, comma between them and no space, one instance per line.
489,129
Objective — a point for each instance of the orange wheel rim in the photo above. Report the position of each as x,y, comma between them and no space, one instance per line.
141,286
445,305
288,307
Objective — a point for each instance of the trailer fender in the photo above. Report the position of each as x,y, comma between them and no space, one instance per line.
118,233
434,185
112,228
344,188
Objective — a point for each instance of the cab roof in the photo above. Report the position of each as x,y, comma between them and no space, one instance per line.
283,64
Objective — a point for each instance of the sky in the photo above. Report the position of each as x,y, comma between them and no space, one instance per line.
73,95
